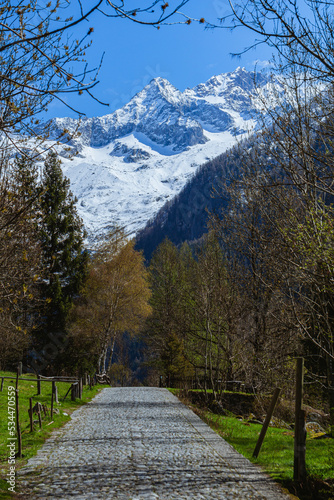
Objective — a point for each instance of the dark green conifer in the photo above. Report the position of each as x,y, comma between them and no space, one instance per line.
62,235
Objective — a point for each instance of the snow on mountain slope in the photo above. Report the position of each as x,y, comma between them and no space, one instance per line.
128,190
130,162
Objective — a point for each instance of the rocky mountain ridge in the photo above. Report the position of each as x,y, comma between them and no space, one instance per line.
130,162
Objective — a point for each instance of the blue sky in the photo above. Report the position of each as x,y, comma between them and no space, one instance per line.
134,54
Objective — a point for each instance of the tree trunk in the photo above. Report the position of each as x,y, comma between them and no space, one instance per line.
330,383
102,360
99,363
211,365
104,357
206,367
112,347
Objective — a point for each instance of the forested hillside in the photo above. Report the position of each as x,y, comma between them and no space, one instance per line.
255,287
234,278
235,299
186,217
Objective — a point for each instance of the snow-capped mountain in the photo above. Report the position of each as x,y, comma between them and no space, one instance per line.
130,162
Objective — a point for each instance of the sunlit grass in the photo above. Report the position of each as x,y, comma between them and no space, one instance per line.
277,451
277,454
31,442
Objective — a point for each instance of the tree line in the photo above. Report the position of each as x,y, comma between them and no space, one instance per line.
52,287
42,255
43,263
241,303
274,237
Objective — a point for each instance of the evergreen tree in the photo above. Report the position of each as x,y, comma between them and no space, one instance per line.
19,259
62,234
26,250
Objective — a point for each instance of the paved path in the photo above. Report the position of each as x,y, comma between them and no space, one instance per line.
141,443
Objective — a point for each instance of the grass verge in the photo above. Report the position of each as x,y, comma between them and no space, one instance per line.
277,453
31,442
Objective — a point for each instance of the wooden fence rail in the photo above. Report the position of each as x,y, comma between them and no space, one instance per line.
76,388
43,379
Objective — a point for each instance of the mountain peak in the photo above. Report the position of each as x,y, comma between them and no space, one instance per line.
233,85
160,86
160,82
131,161
239,70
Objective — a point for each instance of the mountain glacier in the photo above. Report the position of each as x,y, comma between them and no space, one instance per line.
127,164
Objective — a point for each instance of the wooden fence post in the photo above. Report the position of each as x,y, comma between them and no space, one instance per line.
70,389
52,399
31,416
39,417
301,448
55,391
330,377
18,428
299,469
331,410
38,385
80,388
266,422
73,390
2,381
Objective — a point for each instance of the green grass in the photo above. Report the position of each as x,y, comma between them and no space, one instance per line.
277,454
176,392
31,442
277,451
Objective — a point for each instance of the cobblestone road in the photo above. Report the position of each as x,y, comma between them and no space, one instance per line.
141,443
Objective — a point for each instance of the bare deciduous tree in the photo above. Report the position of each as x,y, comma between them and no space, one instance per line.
42,60
300,31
